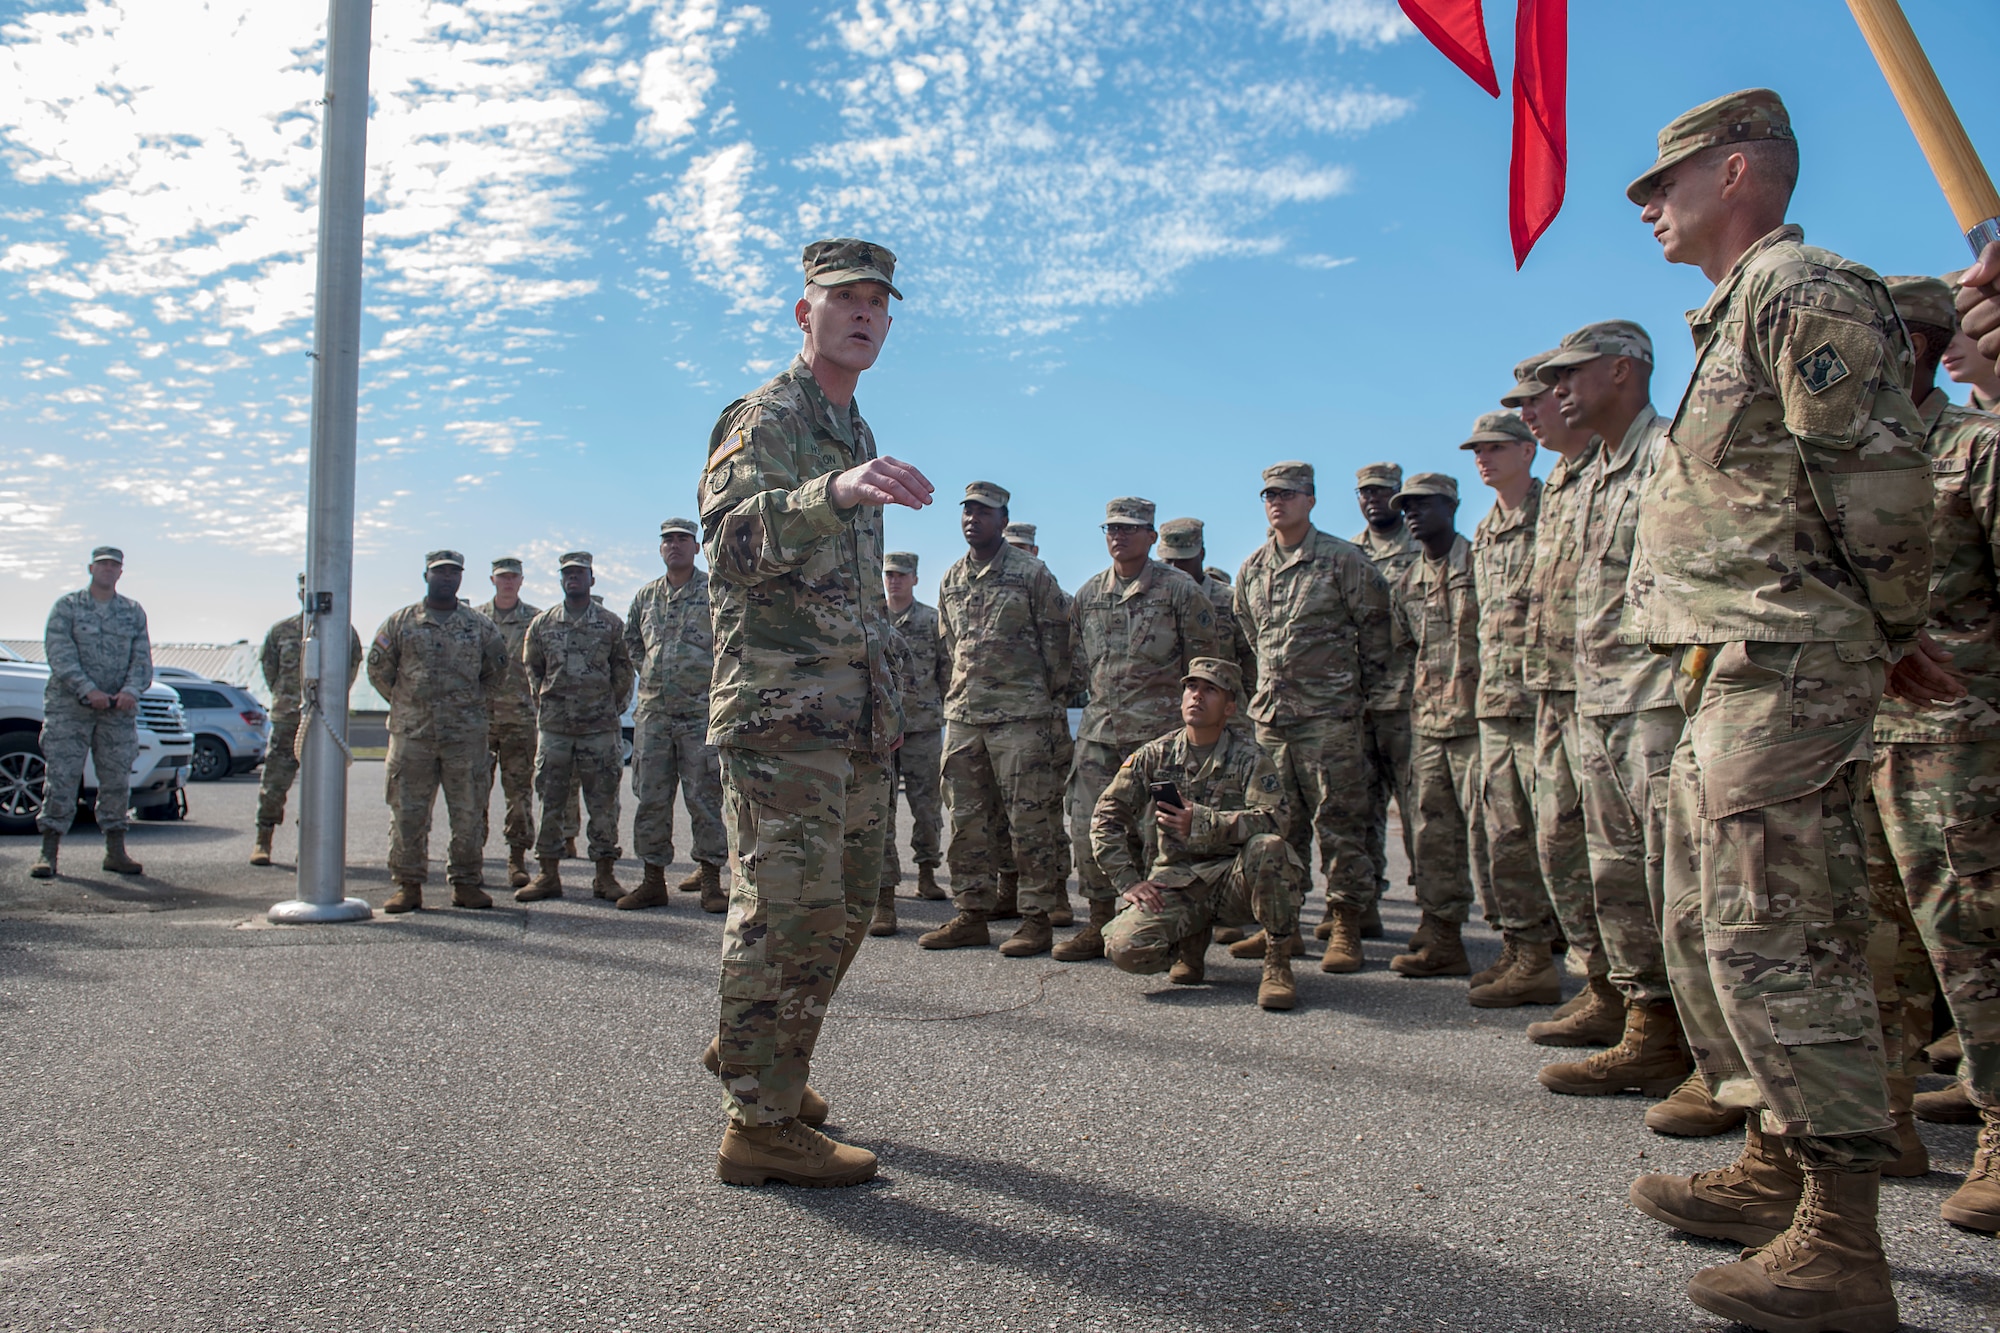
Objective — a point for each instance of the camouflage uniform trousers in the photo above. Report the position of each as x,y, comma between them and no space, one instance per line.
1266,883
281,769
564,765
1625,759
1905,986
415,772
1766,894
918,765
512,745
1517,901
1451,857
72,732
1323,765
670,753
1940,815
1386,738
1559,832
1004,784
806,828
1091,771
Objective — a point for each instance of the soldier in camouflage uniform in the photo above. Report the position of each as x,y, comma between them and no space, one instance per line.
1006,628
1136,627
1317,612
670,640
918,763
280,661
1385,539
805,709
1021,536
510,717
1784,558
100,660
1503,565
580,668
1219,853
436,662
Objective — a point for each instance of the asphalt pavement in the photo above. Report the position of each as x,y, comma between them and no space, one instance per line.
496,1120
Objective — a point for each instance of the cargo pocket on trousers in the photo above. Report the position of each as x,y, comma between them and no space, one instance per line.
1972,850
1821,1015
1972,846
1734,865
747,1033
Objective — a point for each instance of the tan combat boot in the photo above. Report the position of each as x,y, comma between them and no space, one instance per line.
813,1108
1343,942
604,884
473,896
115,859
260,855
1034,936
1007,907
45,863
1252,946
1371,922
1945,1053
1087,943
652,890
793,1153
1976,1203
1594,1016
885,912
1190,960
965,930
1827,1270
1691,1112
1276,989
1062,914
517,867
1649,1059
1750,1201
1947,1106
1510,949
714,898
1226,935
927,885
1915,1158
1442,953
406,898
1532,979
548,884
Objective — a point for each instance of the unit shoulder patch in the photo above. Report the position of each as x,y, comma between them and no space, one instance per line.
1822,368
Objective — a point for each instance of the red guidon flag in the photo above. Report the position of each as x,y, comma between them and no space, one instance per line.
1457,28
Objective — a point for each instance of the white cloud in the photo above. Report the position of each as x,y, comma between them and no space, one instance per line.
28,255
1366,22
677,74
707,215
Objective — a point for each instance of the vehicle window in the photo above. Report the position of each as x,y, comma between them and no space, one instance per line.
198,698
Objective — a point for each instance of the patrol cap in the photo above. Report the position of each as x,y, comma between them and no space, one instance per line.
1609,337
900,562
1495,428
1742,117
1290,476
1225,675
1921,300
1379,474
507,564
680,525
1526,387
1428,483
581,559
98,553
1129,509
1181,539
1022,533
986,493
842,260
436,558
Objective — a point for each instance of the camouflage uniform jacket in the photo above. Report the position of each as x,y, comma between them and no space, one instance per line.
1007,632
1503,567
512,701
1136,644
580,669
1800,358
437,669
801,621
1319,618
1548,659
1613,676
1235,794
930,667
1964,449
1439,608
669,638
1229,635
93,645
282,672
1392,554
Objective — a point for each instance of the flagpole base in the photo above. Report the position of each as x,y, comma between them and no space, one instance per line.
296,912
1983,235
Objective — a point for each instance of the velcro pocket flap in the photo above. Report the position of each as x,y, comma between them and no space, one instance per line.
1784,770
1821,1015
1826,377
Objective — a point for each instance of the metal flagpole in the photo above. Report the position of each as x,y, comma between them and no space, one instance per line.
323,754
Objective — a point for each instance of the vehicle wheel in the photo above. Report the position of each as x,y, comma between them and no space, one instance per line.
211,760
173,808
23,780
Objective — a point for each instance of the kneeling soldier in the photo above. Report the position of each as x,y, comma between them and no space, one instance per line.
1222,855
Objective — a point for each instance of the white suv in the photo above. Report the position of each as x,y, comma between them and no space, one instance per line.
158,773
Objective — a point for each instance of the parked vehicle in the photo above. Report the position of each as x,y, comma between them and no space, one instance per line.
231,729
159,772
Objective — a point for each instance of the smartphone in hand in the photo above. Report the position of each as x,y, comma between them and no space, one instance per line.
1165,794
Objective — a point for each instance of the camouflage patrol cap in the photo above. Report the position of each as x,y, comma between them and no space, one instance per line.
1428,483
1129,509
581,559
507,564
986,493
1291,476
900,562
1022,534
1225,675
1921,300
1742,117
1379,474
679,525
1608,337
106,553
436,558
1498,428
1181,539
1526,387
843,260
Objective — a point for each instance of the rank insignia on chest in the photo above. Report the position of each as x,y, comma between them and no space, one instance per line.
1821,368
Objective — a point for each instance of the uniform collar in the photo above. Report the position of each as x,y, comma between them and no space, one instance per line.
1641,426
1308,550
1725,290
839,424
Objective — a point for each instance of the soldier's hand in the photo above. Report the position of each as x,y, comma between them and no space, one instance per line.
98,699
1922,678
1145,895
881,481
1979,302
126,702
1177,822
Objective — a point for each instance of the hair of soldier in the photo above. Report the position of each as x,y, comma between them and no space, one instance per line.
1773,162
1936,340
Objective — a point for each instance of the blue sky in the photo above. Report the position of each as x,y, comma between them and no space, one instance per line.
1148,247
